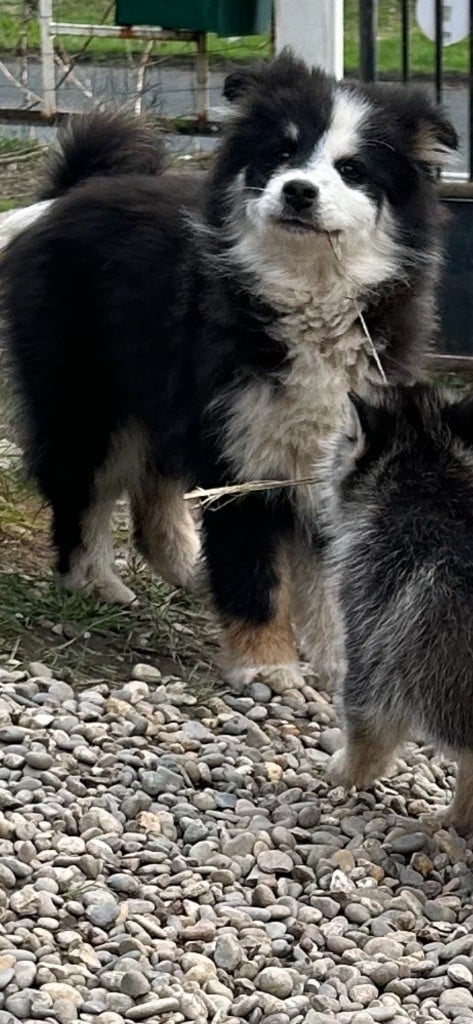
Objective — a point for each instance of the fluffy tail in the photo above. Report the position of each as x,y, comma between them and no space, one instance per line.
103,143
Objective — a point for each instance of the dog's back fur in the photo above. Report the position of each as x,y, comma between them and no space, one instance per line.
403,559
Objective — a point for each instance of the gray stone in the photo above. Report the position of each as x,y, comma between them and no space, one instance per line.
410,843
357,914
163,780
275,861
64,1011
276,981
431,988
124,883
25,974
6,976
99,818
153,1007
39,759
435,910
146,673
39,669
103,915
134,984
309,816
19,1004
228,953
460,975
455,1000
331,740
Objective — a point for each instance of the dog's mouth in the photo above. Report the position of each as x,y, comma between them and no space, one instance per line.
299,225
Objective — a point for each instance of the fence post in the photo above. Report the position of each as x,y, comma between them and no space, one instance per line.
47,58
202,79
314,29
368,14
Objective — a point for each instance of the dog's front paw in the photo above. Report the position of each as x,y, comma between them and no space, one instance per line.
448,817
279,678
329,666
337,769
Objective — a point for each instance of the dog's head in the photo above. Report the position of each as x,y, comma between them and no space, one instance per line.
400,438
308,161
401,449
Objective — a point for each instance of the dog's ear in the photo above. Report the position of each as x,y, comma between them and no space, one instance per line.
238,83
459,417
431,138
435,139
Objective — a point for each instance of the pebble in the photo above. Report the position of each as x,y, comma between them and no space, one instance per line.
276,981
171,856
134,984
275,861
103,914
153,1007
228,953
146,674
460,975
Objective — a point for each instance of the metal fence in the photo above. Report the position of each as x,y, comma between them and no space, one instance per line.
368,66
61,56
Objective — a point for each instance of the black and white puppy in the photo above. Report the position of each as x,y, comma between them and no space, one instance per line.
166,332
401,511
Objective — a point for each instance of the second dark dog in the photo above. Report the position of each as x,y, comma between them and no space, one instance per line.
402,512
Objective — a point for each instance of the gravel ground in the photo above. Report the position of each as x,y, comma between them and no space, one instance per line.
161,860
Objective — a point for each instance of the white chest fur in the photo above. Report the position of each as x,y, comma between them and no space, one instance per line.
279,431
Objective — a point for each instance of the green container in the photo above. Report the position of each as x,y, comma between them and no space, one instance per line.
225,17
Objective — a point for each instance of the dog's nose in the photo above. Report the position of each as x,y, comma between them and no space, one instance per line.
299,194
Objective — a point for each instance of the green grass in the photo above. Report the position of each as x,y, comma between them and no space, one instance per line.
10,147
39,621
94,11
421,49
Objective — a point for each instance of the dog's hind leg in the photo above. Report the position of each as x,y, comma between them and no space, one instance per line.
83,540
165,530
83,500
369,746
317,618
459,814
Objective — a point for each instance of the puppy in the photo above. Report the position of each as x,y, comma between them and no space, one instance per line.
401,511
165,333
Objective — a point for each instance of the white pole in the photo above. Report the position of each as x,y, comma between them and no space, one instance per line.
47,57
313,29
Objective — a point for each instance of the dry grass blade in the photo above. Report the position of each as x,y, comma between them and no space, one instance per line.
211,494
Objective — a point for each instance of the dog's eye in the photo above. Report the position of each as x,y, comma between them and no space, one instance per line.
352,171
287,149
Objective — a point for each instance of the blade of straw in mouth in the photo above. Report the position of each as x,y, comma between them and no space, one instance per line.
371,347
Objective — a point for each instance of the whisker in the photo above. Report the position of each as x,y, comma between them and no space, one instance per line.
380,142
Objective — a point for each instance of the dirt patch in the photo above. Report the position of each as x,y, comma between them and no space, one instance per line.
19,176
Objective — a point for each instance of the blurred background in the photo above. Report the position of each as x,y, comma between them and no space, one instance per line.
170,57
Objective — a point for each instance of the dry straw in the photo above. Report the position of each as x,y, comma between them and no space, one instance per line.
207,497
